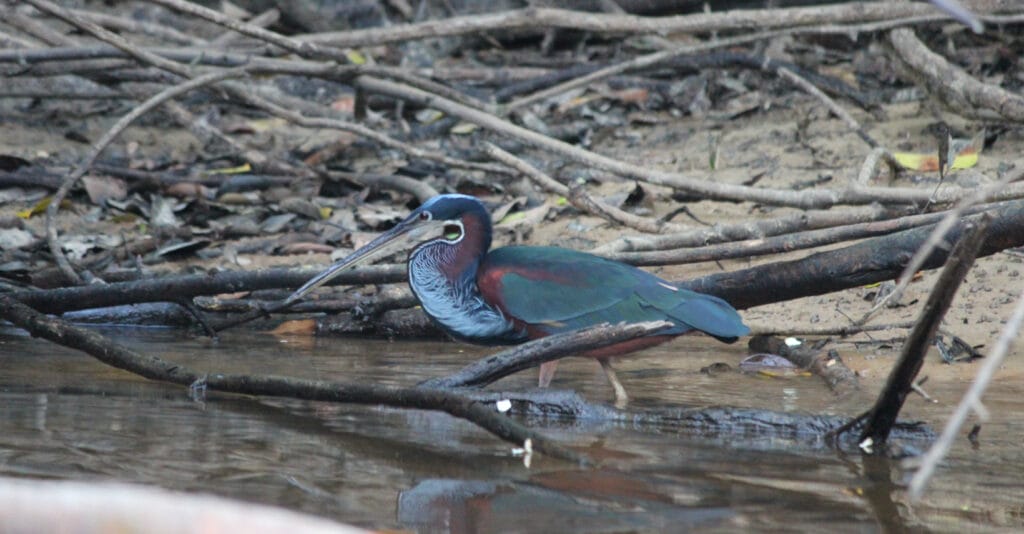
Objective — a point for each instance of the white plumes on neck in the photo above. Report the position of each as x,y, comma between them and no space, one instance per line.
456,304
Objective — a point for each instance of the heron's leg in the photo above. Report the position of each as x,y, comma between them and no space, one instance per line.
547,372
621,399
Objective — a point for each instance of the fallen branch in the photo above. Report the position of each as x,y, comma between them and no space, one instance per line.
541,18
839,378
534,353
873,260
789,242
170,288
883,414
154,368
964,94
751,230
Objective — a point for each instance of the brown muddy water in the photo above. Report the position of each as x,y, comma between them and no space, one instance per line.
66,416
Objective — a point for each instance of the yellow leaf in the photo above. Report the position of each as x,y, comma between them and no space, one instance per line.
355,57
325,212
39,208
464,128
962,154
241,169
264,125
965,161
124,218
917,162
428,116
512,217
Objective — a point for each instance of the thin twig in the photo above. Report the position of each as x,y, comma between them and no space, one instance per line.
545,182
580,198
303,48
540,18
970,401
39,30
834,107
636,63
872,161
752,230
162,31
267,18
788,242
309,49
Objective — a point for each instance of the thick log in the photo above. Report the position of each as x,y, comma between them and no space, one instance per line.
867,262
870,261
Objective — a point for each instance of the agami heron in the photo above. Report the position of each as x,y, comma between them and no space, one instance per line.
514,294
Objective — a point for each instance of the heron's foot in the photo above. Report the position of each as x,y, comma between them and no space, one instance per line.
621,399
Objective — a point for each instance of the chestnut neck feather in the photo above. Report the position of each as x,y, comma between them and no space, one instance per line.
443,276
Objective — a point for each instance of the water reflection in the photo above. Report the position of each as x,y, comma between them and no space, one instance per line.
63,415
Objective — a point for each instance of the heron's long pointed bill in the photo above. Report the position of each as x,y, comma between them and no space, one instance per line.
387,243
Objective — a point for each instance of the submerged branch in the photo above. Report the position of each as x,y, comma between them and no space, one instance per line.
158,369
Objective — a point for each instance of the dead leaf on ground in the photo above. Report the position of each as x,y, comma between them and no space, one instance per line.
302,206
161,212
378,216
188,190
16,238
346,104
962,154
77,246
296,327
103,188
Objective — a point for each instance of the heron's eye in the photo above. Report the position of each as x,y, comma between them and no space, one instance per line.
452,232
425,216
